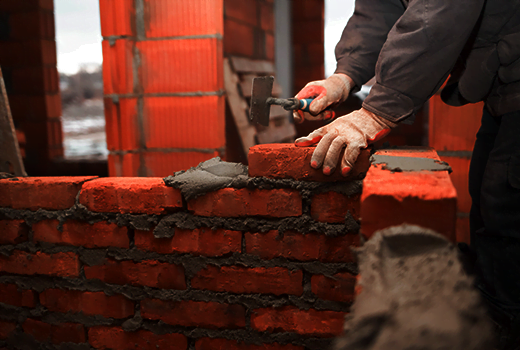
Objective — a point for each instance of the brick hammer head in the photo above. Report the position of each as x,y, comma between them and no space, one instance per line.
260,107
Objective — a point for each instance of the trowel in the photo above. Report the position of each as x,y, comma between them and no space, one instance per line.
261,101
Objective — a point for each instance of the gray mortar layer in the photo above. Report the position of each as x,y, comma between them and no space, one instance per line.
398,164
414,295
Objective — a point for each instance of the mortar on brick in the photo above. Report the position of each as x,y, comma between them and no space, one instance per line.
396,163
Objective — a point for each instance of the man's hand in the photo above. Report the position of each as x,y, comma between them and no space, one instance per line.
334,89
353,131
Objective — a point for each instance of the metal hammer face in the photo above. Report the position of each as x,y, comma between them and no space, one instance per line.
260,108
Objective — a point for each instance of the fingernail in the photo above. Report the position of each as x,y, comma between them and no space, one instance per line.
326,170
345,171
314,164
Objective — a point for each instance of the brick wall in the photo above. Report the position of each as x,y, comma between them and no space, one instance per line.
162,71
28,61
124,262
452,132
249,29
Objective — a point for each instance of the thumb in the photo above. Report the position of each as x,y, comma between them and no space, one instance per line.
312,139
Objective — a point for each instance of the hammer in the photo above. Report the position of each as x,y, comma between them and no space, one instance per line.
261,101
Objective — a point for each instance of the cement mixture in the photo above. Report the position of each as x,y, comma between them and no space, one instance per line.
414,295
399,164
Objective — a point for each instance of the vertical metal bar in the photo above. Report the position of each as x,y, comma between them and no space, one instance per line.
10,156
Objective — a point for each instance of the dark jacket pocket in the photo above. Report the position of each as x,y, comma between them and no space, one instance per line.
513,171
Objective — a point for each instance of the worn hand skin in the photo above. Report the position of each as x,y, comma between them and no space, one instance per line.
354,131
333,90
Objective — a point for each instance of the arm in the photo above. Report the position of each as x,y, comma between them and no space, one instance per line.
364,36
419,54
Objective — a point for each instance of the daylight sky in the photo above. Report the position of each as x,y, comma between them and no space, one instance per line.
78,32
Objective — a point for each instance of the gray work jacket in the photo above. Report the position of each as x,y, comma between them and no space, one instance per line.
412,46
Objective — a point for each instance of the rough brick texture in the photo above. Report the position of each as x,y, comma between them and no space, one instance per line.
149,273
33,193
13,231
58,264
291,319
201,241
240,280
194,314
230,202
12,295
6,328
272,160
333,207
60,333
98,235
294,246
339,287
117,339
89,303
127,195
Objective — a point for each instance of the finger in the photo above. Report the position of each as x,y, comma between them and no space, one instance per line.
333,154
298,117
319,104
321,150
349,158
313,138
310,91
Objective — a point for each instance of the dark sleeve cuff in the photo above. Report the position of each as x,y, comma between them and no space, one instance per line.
358,72
390,104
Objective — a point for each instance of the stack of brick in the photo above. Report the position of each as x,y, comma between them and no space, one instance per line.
28,61
163,84
249,29
117,262
452,133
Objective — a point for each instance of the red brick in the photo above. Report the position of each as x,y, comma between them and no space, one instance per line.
308,31
190,65
117,339
267,17
463,232
122,129
333,207
230,202
57,264
13,231
130,195
99,235
242,10
23,6
225,344
339,287
423,198
117,17
10,294
238,39
270,160
60,333
304,322
127,165
309,54
6,328
240,280
33,193
89,303
118,67
460,178
165,18
297,246
203,241
269,47
194,313
308,9
453,128
185,122
149,273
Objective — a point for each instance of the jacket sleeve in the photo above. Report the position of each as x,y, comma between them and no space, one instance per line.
419,54
364,36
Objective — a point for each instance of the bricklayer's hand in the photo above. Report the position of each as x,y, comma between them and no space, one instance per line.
335,89
353,131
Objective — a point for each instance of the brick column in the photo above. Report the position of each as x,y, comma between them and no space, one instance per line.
162,71
28,61
452,133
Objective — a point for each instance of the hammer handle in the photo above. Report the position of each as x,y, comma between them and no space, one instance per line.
305,103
